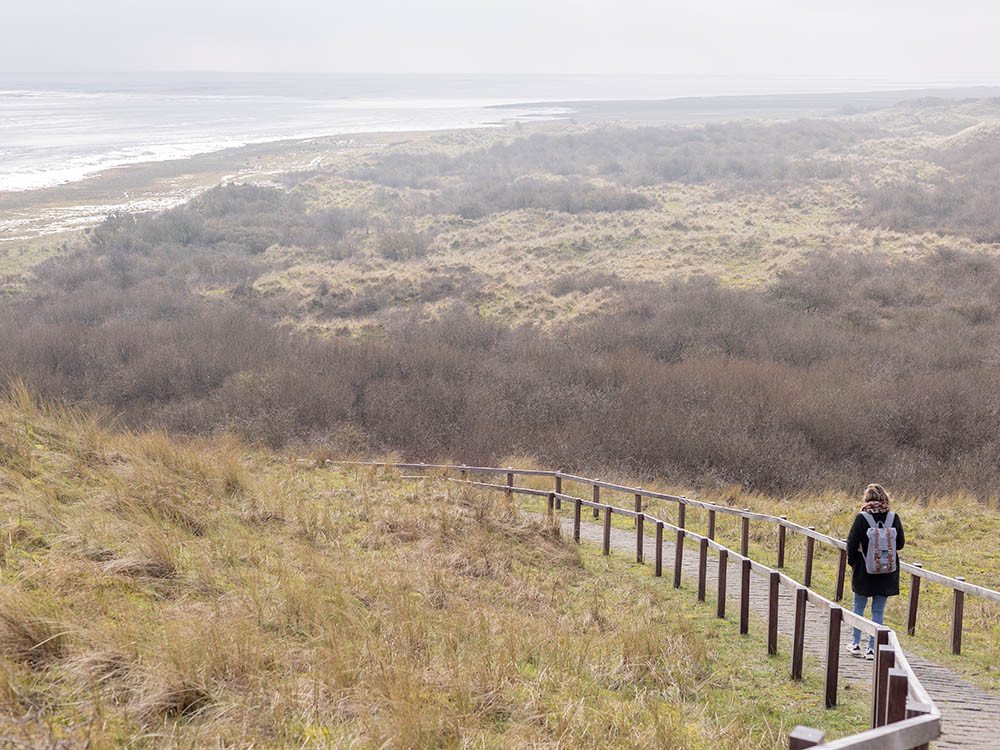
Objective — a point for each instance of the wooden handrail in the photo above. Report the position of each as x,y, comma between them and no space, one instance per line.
908,733
865,625
958,584
924,723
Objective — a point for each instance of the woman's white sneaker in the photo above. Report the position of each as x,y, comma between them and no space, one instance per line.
870,654
853,649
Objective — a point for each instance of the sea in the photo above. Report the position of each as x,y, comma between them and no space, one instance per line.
56,129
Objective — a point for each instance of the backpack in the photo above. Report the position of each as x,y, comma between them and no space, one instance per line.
881,554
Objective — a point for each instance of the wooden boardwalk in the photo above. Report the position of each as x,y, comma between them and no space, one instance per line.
970,715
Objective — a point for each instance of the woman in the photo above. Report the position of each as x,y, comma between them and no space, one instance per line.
875,586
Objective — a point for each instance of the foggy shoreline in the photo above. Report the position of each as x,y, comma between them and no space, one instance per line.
160,184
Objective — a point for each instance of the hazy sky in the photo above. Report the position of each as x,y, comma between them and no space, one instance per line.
901,39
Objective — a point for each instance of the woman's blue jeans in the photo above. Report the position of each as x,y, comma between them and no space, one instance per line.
878,614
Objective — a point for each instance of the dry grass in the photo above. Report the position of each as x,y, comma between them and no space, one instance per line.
505,264
30,632
168,593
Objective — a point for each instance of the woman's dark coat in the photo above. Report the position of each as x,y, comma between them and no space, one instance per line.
864,583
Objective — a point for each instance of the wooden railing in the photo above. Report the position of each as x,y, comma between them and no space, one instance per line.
959,586
903,715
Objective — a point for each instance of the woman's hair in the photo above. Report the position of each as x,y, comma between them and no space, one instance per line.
875,493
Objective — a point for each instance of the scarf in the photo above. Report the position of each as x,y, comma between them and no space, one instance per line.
876,506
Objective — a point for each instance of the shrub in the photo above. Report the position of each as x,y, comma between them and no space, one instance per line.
403,243
584,281
640,156
959,200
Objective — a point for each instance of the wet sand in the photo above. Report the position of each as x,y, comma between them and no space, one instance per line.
29,214
31,219
695,110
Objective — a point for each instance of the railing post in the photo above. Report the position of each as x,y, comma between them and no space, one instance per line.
957,612
885,660
597,499
638,537
510,483
638,502
552,505
804,737
744,596
702,565
799,632
720,607
832,656
895,703
711,522
463,473
658,571
558,490
807,574
881,642
681,513
745,535
911,609
577,506
607,529
773,580
678,557
781,543
841,573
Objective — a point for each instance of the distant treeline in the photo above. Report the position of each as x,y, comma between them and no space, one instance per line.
845,371
640,156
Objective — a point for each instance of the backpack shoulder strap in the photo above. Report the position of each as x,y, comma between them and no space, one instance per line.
870,519
889,519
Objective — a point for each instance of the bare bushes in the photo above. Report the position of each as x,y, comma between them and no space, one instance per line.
571,196
959,200
585,281
848,367
219,236
640,156
588,171
403,243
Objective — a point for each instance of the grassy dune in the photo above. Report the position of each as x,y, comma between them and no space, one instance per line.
511,262
165,593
